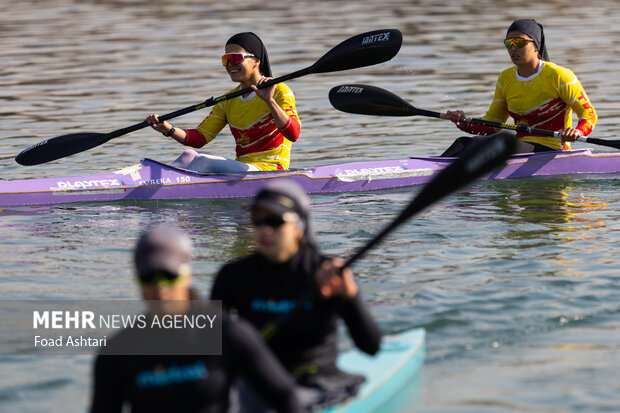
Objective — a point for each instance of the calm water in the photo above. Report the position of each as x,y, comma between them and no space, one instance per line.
516,282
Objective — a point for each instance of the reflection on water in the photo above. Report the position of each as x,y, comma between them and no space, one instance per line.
555,206
537,226
88,246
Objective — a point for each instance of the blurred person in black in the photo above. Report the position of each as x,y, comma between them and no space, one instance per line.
184,383
267,285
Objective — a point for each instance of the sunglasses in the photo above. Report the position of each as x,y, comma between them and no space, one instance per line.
153,278
273,221
235,58
516,42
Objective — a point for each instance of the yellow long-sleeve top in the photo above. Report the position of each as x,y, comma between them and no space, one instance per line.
258,140
544,100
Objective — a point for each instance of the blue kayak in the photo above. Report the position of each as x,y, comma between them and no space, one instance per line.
387,373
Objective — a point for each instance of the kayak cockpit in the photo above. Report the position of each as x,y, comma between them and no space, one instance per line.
152,162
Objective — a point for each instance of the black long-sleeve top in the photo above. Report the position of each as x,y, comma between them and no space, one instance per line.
262,291
193,383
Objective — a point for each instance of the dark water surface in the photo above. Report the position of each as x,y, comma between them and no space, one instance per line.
515,282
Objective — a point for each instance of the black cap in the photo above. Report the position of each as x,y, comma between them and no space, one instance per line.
281,196
163,248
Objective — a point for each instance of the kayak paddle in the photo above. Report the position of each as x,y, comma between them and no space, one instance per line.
372,100
362,50
475,162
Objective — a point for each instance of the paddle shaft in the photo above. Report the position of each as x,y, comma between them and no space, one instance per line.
207,103
378,238
479,121
526,129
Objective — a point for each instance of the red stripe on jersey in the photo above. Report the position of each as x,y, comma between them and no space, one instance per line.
249,140
291,129
194,138
549,116
585,126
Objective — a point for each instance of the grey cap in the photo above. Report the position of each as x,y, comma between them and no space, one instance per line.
283,196
162,247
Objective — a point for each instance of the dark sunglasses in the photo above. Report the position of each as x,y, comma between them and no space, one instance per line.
158,277
272,221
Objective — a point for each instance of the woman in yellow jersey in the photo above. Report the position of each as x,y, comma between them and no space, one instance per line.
535,93
263,122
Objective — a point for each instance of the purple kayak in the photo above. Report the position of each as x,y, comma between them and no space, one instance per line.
151,179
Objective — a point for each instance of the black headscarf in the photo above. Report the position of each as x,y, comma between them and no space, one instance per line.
253,44
535,31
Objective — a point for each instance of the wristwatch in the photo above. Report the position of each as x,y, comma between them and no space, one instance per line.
170,132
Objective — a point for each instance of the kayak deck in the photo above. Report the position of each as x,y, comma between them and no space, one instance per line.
387,373
151,179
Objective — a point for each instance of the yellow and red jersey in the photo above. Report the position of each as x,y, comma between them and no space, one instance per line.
258,141
544,100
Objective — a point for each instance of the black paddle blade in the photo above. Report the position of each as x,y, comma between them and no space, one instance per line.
60,147
365,49
478,160
369,100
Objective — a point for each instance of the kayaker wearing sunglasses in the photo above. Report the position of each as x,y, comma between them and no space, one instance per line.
535,93
266,285
264,123
180,382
